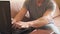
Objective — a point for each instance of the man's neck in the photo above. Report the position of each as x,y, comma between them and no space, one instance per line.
39,2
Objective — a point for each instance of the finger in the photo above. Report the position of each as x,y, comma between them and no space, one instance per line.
11,18
13,21
17,26
14,26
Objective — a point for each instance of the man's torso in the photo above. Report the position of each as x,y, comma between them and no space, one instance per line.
37,11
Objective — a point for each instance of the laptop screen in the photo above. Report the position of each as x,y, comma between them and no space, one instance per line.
5,16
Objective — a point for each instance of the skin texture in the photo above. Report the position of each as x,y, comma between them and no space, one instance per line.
36,23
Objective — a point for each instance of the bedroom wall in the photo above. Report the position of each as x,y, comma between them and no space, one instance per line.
58,2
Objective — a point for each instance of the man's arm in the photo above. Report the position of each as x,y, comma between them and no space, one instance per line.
22,12
20,15
49,15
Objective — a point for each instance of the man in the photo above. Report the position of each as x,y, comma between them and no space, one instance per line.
41,14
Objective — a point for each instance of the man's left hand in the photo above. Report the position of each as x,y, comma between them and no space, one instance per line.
21,25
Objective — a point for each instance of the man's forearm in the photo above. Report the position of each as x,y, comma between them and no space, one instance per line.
38,23
21,14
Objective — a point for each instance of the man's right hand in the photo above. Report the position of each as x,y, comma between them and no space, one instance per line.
14,24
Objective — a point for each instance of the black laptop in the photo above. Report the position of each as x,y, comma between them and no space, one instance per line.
5,17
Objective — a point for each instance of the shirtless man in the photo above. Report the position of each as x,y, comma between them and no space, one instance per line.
41,14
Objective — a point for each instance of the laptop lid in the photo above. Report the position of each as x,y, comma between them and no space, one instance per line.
5,16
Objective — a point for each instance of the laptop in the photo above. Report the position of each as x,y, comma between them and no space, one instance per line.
5,17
